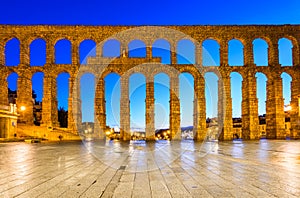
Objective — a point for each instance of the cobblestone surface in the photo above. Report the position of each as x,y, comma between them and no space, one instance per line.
163,169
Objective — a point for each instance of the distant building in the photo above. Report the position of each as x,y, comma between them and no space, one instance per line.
8,121
12,96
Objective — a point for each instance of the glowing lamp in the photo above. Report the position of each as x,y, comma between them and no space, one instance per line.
23,108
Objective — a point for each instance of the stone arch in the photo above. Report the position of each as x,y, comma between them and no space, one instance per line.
63,90
235,53
285,53
162,106
286,87
162,48
12,86
87,96
211,52
112,89
12,52
87,48
109,70
236,93
63,51
261,91
295,50
137,103
191,70
38,52
186,51
211,93
111,48
37,82
62,69
137,48
261,52
186,95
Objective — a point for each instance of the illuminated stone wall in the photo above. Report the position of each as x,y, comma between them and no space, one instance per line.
222,34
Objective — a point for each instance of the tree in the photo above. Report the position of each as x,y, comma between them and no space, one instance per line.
63,117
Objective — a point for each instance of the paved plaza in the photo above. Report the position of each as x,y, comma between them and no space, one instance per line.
162,169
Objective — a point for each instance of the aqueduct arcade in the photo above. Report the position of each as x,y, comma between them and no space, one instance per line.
149,66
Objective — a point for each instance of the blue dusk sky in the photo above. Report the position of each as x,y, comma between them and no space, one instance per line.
115,12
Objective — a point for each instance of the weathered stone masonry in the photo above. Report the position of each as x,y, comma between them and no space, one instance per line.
125,66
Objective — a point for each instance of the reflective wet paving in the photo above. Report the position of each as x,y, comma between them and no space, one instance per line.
162,169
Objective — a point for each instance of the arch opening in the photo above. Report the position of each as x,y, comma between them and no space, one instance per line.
137,97
260,52
112,98
261,82
87,96
186,95
162,106
210,53
87,48
162,48
62,82
63,52
137,49
236,96
285,50
111,48
12,52
185,52
12,86
38,52
235,53
37,95
211,100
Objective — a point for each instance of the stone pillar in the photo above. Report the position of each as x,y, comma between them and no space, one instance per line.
199,109
74,106
250,123
248,53
295,107
225,108
2,54
75,54
124,50
3,79
198,54
49,114
295,54
100,123
125,109
150,107
3,90
50,53
149,52
275,118
24,53
24,99
174,108
49,105
273,53
99,48
224,53
173,54
24,92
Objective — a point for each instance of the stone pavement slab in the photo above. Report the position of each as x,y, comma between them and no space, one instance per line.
154,169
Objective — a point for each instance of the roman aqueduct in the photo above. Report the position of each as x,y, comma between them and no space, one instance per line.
125,66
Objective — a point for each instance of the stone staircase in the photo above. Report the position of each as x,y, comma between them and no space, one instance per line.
45,133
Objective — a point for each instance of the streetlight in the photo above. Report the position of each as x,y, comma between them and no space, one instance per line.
22,108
